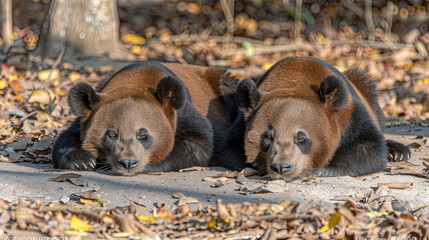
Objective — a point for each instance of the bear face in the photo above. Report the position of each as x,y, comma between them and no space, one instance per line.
128,134
290,136
284,138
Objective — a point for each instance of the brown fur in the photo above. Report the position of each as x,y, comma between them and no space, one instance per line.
208,102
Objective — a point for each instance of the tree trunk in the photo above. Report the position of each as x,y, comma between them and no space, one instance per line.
81,28
6,21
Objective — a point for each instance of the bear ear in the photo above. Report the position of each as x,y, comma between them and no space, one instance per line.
333,93
248,96
171,92
82,99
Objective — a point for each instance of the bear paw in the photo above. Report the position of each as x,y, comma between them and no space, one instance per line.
78,159
397,151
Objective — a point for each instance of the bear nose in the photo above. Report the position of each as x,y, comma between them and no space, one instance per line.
128,163
281,168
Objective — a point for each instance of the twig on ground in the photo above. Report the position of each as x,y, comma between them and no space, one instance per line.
368,19
228,11
57,62
298,11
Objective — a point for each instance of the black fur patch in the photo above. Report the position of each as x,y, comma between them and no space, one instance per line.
232,154
172,91
82,98
266,140
303,143
334,88
145,138
248,95
109,139
67,152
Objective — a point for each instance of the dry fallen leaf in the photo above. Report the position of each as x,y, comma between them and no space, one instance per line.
214,179
417,145
66,177
187,200
396,185
407,171
190,169
92,195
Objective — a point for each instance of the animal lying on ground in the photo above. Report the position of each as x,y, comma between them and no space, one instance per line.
303,117
148,117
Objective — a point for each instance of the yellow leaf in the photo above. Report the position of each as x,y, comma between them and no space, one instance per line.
267,66
212,223
16,76
374,214
3,84
132,38
333,221
49,75
136,49
79,225
151,220
323,229
74,76
251,25
193,8
38,91
320,38
225,221
122,234
20,98
408,67
426,159
99,201
241,19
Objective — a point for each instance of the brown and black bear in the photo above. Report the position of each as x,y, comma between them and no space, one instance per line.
148,117
303,117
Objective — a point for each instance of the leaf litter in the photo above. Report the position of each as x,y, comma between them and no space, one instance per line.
285,220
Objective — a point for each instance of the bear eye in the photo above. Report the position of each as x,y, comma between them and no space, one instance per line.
142,133
111,133
266,140
110,138
300,137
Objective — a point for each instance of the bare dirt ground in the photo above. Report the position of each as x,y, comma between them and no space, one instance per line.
25,180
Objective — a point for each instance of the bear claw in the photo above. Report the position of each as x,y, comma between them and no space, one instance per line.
78,159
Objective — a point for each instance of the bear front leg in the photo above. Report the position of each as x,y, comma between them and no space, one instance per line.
357,158
67,152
